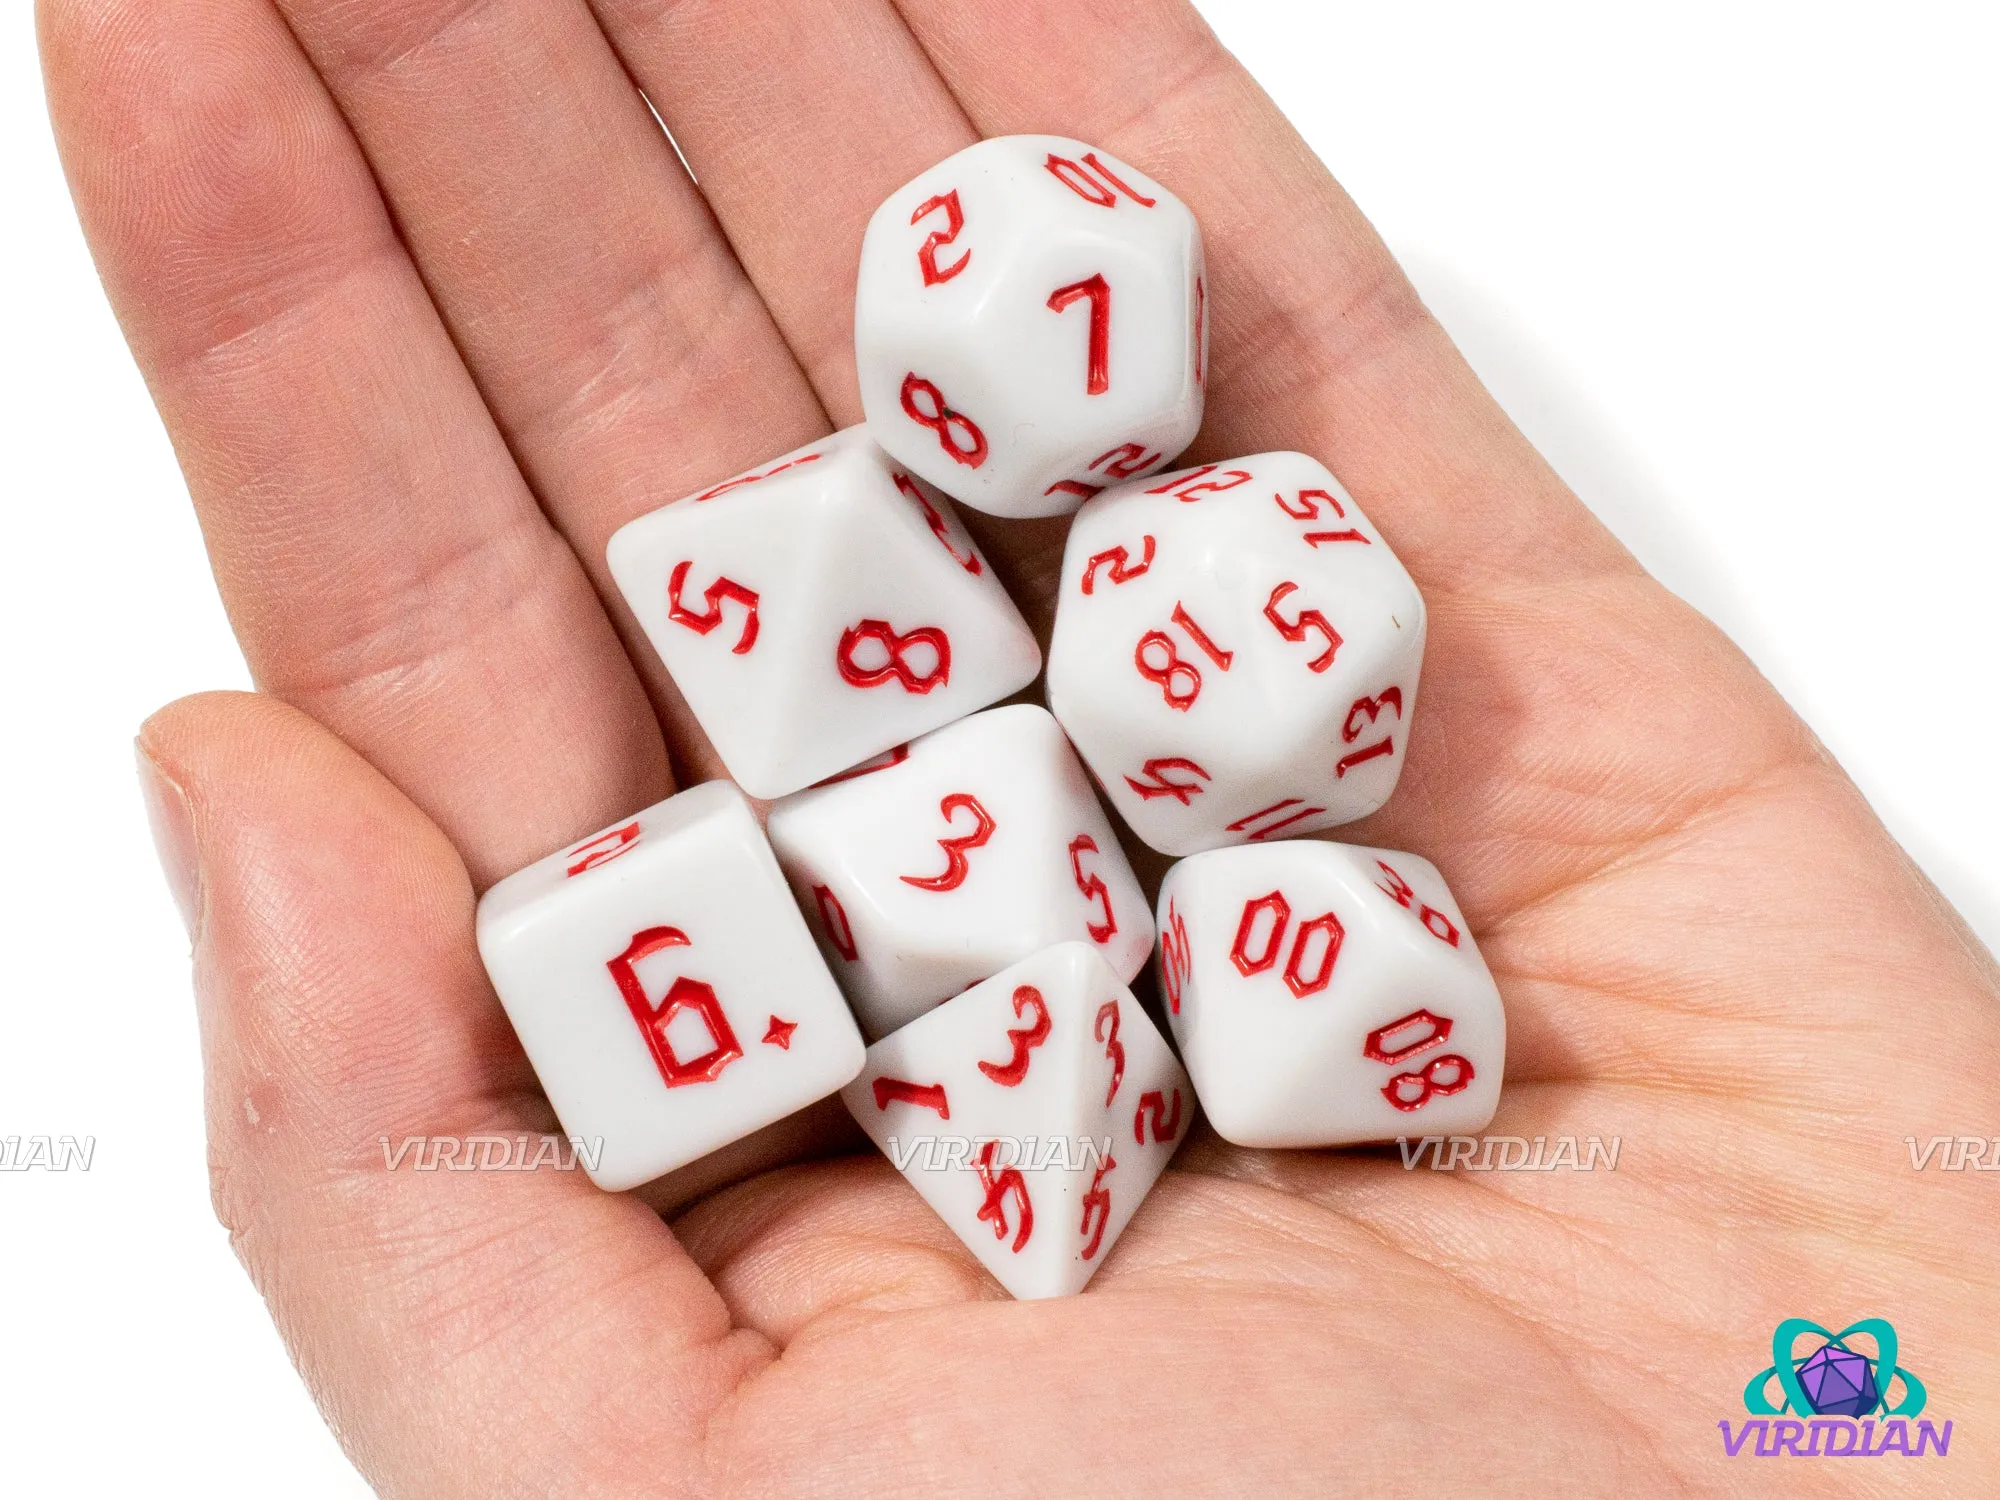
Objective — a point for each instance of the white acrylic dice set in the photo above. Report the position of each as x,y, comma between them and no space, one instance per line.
1030,324
664,986
1328,994
978,846
1063,1100
1236,653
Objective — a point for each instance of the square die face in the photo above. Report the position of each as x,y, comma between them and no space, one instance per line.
979,846
818,610
1327,994
1247,594
1000,1106
664,986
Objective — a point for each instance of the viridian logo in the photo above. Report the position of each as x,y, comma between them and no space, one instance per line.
1834,1398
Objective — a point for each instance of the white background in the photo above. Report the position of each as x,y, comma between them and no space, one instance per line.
1730,262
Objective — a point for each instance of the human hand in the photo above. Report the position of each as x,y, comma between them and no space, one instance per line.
430,309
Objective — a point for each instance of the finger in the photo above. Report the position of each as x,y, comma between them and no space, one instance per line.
622,351
383,563
343,1006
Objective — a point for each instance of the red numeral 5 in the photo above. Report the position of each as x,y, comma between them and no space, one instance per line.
714,594
1295,630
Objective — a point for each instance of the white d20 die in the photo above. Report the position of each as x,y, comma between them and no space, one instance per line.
1328,994
1030,324
665,987
1236,653
819,609
978,846
1034,1112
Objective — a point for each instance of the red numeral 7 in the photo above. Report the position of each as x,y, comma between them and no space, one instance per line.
1097,378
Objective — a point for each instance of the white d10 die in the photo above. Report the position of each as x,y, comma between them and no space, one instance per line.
819,609
665,987
1033,1112
1236,653
1327,994
978,845
1030,324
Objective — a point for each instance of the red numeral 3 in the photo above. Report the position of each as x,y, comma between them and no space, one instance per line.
1114,1050
956,866
1025,1039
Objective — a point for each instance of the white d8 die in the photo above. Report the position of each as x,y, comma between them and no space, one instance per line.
1236,653
1030,323
978,845
1328,994
819,609
1034,1112
665,987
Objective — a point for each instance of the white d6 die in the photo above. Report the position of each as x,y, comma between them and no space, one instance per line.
1327,994
1033,1112
979,845
665,987
1029,324
819,609
1236,653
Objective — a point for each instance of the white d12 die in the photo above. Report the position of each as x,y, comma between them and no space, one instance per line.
1033,1112
1029,324
1327,994
1236,653
665,987
819,609
978,846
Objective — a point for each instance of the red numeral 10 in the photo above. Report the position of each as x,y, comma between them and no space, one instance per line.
1325,927
1179,680
1097,377
1098,184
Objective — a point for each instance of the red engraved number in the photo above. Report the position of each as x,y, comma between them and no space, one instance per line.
1441,1075
833,921
1179,680
1390,698
1165,1125
714,594
1127,461
896,649
1297,980
934,518
602,849
1306,508
1118,562
1097,375
1176,961
950,426
1191,486
954,221
742,479
1157,785
1436,923
1114,1050
1093,887
924,1095
1246,930
1025,1039
656,1020
1099,184
957,867
1292,810
1097,1205
1295,630
1406,1036
1361,757
997,1189
1325,931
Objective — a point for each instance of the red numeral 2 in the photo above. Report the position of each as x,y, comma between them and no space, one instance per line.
1297,979
1099,185
654,1021
1176,960
1173,670
954,221
1097,375
1121,568
1165,1125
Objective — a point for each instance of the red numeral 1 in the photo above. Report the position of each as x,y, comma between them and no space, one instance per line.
954,216
924,1095
1093,888
1097,378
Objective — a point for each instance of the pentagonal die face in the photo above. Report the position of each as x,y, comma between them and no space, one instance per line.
820,609
1030,324
943,863
1236,653
664,987
1328,994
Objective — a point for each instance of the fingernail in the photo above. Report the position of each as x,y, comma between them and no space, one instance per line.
172,821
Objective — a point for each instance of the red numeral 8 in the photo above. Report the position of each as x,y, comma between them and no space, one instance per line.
949,425
1427,1083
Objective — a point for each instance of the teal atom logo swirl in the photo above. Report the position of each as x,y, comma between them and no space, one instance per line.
1835,1379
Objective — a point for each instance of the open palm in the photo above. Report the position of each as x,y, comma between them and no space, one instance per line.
431,308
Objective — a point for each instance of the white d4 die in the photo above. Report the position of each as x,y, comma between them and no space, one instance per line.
1236,653
665,987
978,845
1033,1112
1327,994
819,609
1030,324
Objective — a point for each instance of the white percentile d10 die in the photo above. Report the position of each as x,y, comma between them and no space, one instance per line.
665,987
1327,994
820,609
1236,653
979,845
1033,1112
1030,324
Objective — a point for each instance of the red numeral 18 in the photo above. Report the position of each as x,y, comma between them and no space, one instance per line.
1179,680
